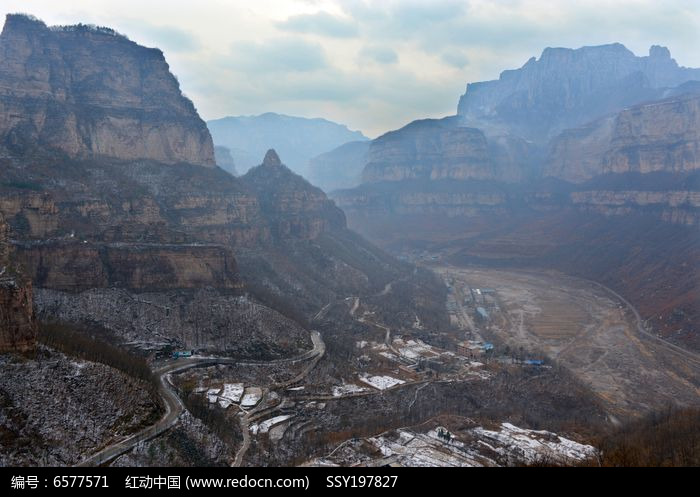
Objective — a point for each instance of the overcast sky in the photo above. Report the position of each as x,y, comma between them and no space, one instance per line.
373,65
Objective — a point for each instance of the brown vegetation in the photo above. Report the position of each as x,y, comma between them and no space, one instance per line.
81,344
668,438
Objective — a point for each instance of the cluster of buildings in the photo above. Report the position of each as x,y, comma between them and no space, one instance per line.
474,349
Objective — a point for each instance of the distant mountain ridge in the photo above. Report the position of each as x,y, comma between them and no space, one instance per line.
566,87
297,139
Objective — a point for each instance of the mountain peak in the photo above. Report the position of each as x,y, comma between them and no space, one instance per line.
271,159
16,20
660,52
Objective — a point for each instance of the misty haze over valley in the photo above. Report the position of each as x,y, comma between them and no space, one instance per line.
320,235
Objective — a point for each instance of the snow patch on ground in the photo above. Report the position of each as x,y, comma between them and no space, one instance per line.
381,382
530,446
510,445
414,349
265,426
346,389
251,397
213,395
427,450
232,394
390,355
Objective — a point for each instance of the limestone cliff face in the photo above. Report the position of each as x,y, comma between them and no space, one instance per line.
90,92
576,155
293,207
432,149
37,212
676,207
18,330
657,136
450,204
76,266
566,88
441,149
144,201
660,136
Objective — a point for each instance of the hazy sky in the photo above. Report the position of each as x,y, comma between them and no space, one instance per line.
373,65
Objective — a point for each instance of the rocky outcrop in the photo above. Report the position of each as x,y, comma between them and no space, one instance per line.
676,207
579,97
566,88
418,202
84,219
18,330
77,266
441,149
429,149
659,136
110,201
656,136
90,92
293,207
643,159
576,155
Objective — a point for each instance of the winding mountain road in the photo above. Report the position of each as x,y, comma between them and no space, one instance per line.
174,406
687,354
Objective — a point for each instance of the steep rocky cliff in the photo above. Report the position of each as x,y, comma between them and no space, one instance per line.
90,92
293,207
132,266
428,149
566,88
18,331
659,136
441,149
656,136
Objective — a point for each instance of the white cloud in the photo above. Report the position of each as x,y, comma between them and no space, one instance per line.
378,54
321,23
